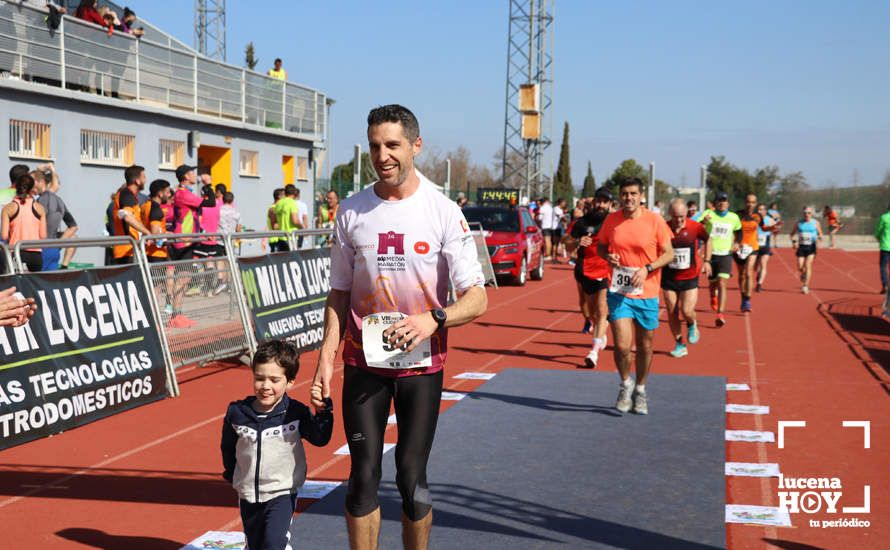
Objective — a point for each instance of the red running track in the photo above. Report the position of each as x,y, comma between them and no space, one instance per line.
149,478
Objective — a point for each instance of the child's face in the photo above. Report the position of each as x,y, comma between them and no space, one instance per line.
269,385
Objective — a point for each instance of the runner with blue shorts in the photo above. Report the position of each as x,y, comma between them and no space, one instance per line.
637,244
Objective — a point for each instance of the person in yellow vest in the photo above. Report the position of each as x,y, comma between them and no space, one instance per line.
277,71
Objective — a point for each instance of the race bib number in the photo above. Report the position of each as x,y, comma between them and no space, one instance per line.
744,251
721,230
621,281
806,239
379,353
761,239
682,258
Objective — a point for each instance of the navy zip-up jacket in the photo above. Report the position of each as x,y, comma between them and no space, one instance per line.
263,458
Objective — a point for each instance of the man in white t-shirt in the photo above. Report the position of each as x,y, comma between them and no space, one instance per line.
396,245
303,214
545,220
556,228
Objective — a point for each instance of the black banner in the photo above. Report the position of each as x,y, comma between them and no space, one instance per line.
285,294
503,197
90,351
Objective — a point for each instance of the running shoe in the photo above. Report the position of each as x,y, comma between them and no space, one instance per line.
572,262
168,309
721,320
758,288
883,290
220,288
746,305
591,359
181,321
587,327
641,404
679,351
193,291
693,334
805,289
624,396
714,304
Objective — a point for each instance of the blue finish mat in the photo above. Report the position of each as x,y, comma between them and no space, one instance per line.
541,459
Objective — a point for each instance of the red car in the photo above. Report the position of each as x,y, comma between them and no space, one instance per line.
514,241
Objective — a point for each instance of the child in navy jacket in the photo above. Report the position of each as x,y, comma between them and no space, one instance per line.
262,449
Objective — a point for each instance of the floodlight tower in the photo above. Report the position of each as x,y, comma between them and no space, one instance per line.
527,122
210,28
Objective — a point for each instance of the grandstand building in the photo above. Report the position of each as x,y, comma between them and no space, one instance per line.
95,102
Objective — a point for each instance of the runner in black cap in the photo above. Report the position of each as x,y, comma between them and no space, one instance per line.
592,272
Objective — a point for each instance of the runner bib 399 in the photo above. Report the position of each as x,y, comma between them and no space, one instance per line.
622,278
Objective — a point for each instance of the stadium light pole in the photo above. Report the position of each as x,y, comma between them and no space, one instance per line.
651,194
702,190
357,169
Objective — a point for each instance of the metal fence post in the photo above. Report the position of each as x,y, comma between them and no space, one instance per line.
138,79
195,81
62,53
238,288
142,259
243,95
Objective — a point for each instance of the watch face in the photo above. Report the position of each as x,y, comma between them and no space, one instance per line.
439,315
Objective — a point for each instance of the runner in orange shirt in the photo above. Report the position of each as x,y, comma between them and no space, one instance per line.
745,256
834,225
637,244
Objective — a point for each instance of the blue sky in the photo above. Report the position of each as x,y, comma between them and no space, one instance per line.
802,84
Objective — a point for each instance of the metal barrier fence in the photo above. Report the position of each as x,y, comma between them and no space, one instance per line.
197,299
6,265
18,267
153,70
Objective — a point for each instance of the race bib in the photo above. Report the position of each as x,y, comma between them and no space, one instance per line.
806,239
761,239
682,258
744,251
621,281
721,230
380,354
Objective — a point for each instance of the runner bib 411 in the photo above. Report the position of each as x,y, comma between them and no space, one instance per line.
622,278
379,353
682,258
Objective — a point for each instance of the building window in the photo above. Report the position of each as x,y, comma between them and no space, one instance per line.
29,140
249,163
106,148
172,154
303,168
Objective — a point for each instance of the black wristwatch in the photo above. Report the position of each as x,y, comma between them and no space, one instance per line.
649,268
439,316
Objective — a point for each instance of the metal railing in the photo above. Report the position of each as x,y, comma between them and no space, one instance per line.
6,265
154,70
197,301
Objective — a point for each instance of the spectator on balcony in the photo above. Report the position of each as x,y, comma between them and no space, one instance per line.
278,72
127,22
88,11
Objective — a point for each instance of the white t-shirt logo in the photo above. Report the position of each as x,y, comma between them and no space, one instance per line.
391,240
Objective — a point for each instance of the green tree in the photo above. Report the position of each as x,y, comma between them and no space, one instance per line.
341,174
562,183
589,183
738,182
628,168
790,190
250,61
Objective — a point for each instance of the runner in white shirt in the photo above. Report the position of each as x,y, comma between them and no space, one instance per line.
556,228
396,245
545,219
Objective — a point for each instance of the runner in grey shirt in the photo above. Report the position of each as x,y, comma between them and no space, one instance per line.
56,213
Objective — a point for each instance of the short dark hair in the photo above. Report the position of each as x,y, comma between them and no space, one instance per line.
277,60
278,193
627,182
220,188
132,172
16,172
690,204
157,186
290,189
228,197
397,114
280,352
334,191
